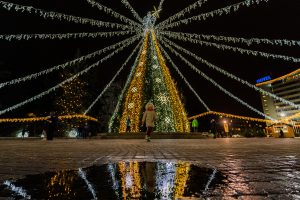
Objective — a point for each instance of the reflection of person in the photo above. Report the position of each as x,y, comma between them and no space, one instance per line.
53,122
213,127
149,117
195,125
128,122
148,174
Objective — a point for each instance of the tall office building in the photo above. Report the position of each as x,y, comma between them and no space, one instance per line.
286,87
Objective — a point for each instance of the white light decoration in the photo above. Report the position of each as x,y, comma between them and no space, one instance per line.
155,57
72,133
135,14
20,135
18,190
134,89
235,49
158,80
70,63
165,179
130,105
215,83
113,13
89,185
148,22
160,5
154,66
182,13
61,36
167,120
219,12
163,98
233,76
113,79
184,79
55,15
247,41
40,95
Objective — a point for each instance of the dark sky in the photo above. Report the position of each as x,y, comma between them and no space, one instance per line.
276,19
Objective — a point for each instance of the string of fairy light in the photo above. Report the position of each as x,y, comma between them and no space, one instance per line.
230,116
228,47
230,75
62,36
131,98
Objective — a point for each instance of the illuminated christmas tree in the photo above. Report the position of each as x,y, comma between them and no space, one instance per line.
71,100
150,81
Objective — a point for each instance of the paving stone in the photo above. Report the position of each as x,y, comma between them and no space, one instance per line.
255,168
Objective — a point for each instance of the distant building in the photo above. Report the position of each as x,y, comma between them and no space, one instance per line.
288,88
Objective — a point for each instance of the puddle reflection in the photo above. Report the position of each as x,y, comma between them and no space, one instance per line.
123,180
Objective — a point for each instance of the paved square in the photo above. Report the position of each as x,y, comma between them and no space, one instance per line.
256,168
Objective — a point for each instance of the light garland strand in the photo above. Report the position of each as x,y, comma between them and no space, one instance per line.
232,76
135,14
112,80
160,5
247,41
62,36
182,13
67,64
224,47
214,82
55,15
40,95
219,12
133,101
279,78
113,13
118,106
37,119
184,79
231,116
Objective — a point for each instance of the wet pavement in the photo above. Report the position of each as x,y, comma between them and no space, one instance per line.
256,168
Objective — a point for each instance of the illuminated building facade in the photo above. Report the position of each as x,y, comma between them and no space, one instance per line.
288,88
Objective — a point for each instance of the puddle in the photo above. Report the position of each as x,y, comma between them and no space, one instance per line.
123,180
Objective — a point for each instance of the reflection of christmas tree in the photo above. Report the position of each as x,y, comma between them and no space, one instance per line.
150,80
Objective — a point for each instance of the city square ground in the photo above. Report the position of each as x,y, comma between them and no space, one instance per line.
256,168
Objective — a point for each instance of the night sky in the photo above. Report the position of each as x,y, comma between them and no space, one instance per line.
273,20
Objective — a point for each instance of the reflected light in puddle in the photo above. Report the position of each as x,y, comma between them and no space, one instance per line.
165,180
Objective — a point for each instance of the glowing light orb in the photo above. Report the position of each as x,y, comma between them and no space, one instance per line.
154,66
134,89
130,105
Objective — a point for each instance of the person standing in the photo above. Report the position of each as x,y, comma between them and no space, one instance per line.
128,122
87,132
195,125
213,127
53,122
149,117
